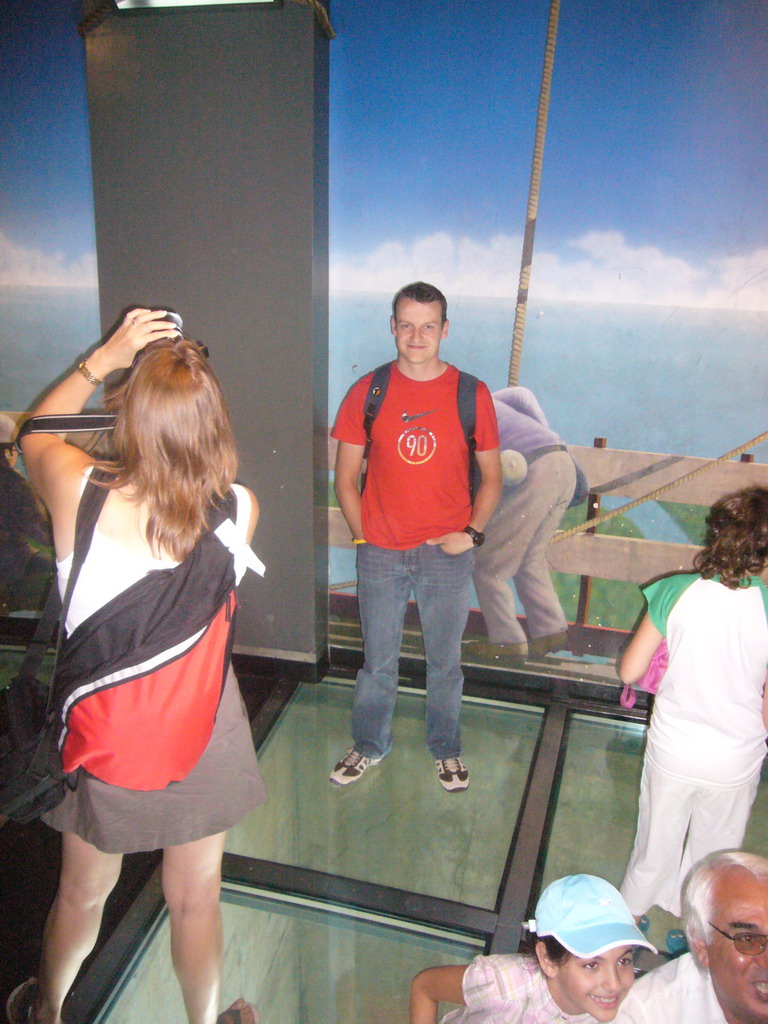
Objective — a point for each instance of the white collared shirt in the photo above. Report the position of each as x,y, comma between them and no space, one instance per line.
679,992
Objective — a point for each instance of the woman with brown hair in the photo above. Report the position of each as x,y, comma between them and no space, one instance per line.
162,756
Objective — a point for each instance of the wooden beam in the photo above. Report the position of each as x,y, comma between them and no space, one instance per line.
632,559
638,473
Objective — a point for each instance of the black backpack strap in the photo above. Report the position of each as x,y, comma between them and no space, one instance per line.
466,399
88,511
221,509
38,645
467,402
26,698
377,389
56,608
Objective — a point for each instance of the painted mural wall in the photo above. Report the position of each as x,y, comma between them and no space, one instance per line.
48,286
648,310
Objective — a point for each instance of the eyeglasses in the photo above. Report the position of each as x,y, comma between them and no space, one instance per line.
748,943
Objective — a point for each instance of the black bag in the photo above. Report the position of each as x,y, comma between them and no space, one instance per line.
31,777
466,399
32,780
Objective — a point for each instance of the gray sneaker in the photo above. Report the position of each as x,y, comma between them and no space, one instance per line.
453,774
351,767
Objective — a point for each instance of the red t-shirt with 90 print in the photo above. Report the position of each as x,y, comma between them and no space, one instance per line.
418,468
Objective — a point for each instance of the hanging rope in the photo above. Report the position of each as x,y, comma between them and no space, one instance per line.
533,195
321,15
98,14
590,524
343,586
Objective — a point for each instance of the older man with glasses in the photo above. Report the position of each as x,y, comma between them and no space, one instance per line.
724,979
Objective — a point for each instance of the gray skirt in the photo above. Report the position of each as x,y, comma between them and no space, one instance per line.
222,788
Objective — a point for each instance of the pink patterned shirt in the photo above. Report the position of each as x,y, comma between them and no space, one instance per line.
509,989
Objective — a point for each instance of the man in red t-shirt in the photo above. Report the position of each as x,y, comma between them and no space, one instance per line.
415,527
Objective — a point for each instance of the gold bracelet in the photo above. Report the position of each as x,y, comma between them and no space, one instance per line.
356,540
93,381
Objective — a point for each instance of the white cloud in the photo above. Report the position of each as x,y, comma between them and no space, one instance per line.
601,266
31,267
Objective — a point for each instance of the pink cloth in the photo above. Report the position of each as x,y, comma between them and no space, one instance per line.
650,680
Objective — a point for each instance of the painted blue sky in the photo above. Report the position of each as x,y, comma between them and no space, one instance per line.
46,208
656,107
654,172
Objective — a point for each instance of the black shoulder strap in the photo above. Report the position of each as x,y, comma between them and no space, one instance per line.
467,402
88,511
22,721
377,389
221,509
56,608
91,503
68,424
25,696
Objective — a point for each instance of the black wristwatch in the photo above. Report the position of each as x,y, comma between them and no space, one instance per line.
477,537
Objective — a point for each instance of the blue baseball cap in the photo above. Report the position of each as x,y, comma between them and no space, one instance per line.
587,916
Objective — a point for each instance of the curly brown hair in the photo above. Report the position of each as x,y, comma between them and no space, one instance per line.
736,543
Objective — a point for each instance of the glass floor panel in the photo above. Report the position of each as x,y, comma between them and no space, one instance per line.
396,826
296,963
593,828
757,828
594,822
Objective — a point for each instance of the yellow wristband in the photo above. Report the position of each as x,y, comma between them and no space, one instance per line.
357,540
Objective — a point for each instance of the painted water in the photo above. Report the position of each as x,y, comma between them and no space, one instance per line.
42,331
649,378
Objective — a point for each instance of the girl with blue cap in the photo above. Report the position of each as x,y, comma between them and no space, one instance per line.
581,969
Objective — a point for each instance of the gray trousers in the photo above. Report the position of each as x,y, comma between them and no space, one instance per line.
515,541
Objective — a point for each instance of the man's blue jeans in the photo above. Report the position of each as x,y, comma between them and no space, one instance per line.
441,585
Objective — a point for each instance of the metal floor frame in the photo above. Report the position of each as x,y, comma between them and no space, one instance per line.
499,930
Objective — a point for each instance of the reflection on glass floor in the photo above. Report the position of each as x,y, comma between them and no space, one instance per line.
396,826
298,964
11,660
593,827
396,832
594,822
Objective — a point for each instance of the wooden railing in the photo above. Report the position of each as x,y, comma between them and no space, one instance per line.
625,474
630,474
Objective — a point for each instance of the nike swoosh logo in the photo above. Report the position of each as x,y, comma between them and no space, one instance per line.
416,415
